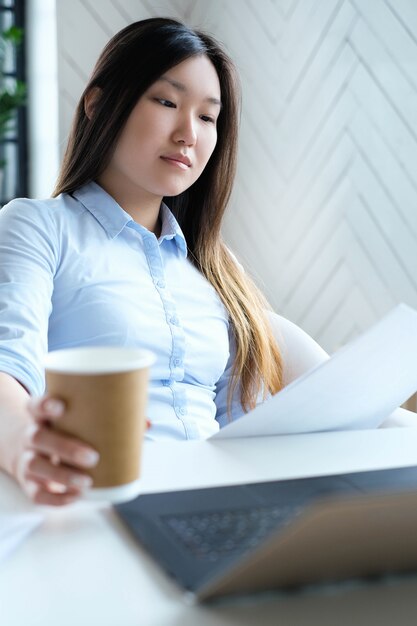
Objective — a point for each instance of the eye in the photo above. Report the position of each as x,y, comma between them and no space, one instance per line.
166,103
207,118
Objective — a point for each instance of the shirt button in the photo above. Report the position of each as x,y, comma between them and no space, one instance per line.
183,411
177,362
174,320
160,283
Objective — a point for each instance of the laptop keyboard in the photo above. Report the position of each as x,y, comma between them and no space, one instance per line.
214,535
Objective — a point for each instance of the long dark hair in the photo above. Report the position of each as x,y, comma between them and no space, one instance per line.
130,63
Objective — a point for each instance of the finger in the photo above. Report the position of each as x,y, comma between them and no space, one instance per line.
148,424
40,469
46,408
39,494
67,449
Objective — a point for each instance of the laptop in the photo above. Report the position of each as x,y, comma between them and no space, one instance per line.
221,541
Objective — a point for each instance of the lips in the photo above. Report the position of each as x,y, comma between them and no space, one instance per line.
180,159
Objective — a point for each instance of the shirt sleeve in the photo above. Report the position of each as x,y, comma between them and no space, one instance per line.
27,266
222,387
300,353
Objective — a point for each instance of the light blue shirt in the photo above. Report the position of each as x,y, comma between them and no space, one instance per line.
78,271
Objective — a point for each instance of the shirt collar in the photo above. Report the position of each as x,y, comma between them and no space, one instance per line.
114,219
171,229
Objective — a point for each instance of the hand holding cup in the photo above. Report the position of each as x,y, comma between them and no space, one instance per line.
105,394
52,467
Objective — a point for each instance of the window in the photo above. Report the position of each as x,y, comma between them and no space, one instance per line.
13,145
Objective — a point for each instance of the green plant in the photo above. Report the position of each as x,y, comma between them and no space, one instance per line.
12,91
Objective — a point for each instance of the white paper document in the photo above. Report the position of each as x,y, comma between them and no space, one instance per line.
358,387
14,529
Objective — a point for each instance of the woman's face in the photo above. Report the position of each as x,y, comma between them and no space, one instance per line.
170,134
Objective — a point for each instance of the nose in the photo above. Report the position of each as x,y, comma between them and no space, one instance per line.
185,131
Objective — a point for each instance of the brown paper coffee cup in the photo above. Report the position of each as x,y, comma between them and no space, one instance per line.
105,393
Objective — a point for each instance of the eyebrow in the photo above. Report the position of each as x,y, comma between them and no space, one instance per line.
183,88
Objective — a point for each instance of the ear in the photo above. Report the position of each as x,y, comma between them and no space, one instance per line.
90,100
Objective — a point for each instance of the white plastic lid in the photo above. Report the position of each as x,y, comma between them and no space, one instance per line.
98,360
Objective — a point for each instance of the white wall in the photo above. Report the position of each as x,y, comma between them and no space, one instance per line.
44,155
324,211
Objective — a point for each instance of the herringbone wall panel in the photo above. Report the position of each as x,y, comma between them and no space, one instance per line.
324,213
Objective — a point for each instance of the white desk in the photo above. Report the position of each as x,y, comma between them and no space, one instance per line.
81,567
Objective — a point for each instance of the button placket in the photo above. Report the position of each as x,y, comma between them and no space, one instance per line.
155,262
177,357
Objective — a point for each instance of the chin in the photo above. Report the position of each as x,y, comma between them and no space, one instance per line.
174,191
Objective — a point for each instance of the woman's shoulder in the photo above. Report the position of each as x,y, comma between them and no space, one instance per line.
42,221
37,213
35,206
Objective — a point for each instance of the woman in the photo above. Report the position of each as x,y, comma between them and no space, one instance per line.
106,262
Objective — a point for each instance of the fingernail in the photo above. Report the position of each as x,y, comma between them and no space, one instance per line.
89,458
54,407
148,423
81,481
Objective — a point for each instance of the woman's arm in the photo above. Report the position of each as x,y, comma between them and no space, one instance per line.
14,420
29,253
